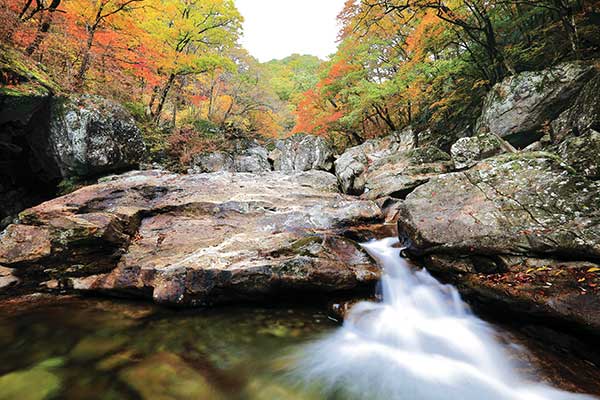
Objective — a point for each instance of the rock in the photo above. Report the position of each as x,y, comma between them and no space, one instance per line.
302,152
166,376
467,151
511,233
553,290
351,166
582,116
526,203
398,174
37,383
581,152
517,108
7,278
46,138
90,136
244,156
196,239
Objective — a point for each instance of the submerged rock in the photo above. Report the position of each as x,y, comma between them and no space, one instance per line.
196,239
302,152
519,106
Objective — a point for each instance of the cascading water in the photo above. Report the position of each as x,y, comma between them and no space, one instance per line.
420,343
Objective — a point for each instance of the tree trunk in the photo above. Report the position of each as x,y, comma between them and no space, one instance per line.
85,61
43,28
163,98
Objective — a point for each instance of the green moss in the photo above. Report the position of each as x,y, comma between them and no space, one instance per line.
29,77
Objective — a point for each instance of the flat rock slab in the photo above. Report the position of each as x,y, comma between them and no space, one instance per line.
196,239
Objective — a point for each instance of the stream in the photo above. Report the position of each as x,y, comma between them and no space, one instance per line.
421,342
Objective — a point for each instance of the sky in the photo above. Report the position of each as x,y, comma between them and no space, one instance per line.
279,28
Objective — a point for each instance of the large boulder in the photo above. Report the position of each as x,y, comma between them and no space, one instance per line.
244,156
399,174
519,231
302,152
91,136
351,166
527,203
582,116
46,137
194,239
467,151
517,108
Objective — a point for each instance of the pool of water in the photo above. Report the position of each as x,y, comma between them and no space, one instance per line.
83,348
101,349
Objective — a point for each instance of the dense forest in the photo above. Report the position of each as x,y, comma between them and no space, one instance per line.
177,65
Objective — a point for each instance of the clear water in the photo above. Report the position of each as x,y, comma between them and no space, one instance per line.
90,349
420,343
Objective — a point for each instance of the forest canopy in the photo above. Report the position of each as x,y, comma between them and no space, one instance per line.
179,67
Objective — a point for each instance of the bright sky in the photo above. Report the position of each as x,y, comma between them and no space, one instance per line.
278,28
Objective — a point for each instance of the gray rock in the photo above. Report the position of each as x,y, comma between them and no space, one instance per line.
90,135
245,156
525,203
302,152
351,166
398,174
467,151
583,153
582,116
518,107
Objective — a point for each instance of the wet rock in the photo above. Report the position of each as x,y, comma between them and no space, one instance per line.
302,152
398,174
581,153
527,203
467,151
519,106
351,166
37,383
244,156
556,291
582,116
512,233
197,239
90,135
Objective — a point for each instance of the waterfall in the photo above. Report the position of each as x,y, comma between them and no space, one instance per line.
421,342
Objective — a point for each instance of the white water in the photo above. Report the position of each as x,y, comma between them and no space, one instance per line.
420,343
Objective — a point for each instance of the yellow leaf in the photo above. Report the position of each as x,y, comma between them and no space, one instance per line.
594,269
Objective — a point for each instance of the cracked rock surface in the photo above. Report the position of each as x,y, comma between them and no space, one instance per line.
195,239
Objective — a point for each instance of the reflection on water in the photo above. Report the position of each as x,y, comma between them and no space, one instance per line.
421,342
85,349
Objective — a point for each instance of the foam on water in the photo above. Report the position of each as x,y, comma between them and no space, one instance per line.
420,343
